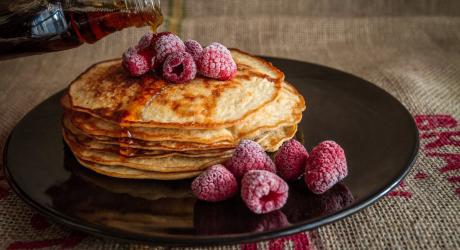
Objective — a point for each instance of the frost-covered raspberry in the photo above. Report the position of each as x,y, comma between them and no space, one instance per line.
149,39
136,62
215,184
179,67
249,155
326,166
290,160
194,48
217,62
263,191
146,41
166,44
156,36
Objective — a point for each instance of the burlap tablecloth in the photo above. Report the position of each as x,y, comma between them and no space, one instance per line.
409,48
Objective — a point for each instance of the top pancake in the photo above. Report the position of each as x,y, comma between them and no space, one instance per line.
285,110
106,91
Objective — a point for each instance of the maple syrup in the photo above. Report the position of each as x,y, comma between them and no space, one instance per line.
45,26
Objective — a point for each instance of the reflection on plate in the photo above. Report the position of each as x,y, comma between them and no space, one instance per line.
169,206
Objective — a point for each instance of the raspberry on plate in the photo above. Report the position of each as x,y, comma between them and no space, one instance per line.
263,191
166,44
179,67
216,62
215,184
136,62
326,166
249,155
290,160
194,48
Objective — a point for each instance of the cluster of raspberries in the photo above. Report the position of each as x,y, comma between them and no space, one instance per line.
178,61
262,182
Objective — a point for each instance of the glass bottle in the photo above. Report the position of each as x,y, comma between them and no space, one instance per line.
38,26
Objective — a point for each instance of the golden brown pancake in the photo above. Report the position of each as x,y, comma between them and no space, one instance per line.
131,173
106,91
285,110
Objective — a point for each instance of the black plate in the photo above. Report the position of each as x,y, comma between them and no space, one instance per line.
378,134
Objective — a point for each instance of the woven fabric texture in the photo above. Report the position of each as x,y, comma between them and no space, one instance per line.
409,48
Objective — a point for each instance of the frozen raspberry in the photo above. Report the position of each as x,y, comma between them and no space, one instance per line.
136,62
216,62
290,160
179,67
326,166
158,35
249,155
166,44
149,39
146,41
194,48
263,191
215,184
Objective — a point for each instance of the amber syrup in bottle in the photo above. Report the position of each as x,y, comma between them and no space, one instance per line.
59,25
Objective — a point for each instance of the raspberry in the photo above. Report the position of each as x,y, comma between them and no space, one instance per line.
249,155
146,41
263,191
326,166
216,62
179,67
166,44
158,35
194,48
215,184
290,160
136,62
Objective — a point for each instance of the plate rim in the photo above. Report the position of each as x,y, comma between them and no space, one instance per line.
224,239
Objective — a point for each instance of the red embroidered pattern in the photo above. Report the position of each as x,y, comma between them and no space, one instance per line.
448,137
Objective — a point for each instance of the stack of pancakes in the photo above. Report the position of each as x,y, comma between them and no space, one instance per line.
147,128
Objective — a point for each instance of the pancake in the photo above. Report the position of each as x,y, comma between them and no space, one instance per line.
285,110
270,141
126,151
167,164
130,173
173,163
140,144
106,91
275,138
